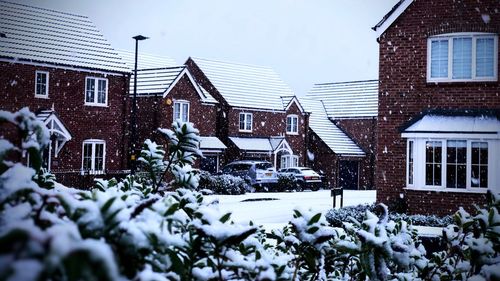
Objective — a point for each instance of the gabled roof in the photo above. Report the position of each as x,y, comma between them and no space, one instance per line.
154,81
244,85
289,100
347,99
204,94
391,17
329,133
145,60
46,36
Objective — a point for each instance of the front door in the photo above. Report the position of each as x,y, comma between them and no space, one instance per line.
348,174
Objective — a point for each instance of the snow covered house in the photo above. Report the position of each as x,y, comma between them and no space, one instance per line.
438,144
61,67
258,115
342,135
166,92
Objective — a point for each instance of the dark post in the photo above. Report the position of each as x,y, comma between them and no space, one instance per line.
133,121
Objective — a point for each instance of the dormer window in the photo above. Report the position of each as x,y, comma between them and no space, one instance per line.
462,57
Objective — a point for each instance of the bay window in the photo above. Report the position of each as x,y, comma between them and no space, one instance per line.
462,57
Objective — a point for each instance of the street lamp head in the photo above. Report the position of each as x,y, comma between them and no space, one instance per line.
140,37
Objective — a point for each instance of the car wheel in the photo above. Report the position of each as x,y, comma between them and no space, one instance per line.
314,187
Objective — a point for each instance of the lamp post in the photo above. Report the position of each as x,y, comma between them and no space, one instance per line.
134,108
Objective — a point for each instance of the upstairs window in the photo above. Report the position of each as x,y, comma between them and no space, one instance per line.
94,152
41,84
292,124
462,57
245,122
96,91
181,111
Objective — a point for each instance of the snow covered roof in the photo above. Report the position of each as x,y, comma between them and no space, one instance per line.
238,82
391,16
145,60
252,144
211,143
347,99
46,36
154,81
329,133
56,127
446,124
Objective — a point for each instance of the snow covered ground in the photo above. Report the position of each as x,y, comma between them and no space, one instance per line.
276,213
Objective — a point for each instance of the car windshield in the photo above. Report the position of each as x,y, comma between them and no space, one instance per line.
263,166
236,168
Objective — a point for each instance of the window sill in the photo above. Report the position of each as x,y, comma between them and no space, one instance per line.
449,190
244,131
96,105
292,134
42,97
451,81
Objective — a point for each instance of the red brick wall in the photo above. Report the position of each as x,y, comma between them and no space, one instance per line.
154,112
404,92
298,142
363,132
324,159
66,94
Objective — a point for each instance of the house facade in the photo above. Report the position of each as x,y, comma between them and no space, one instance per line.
258,116
342,136
439,102
76,85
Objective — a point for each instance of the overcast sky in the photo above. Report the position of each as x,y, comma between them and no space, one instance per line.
305,41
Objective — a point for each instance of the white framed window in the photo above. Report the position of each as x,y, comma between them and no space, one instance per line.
292,124
457,164
462,57
93,156
288,161
41,84
410,160
181,111
96,91
246,122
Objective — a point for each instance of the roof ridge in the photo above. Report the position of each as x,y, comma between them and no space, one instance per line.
45,9
234,63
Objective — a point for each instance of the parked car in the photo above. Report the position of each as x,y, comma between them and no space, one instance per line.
256,173
306,177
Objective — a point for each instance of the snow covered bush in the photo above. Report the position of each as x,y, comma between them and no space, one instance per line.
336,217
137,229
473,246
287,182
223,184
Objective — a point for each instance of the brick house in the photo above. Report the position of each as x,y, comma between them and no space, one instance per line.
165,94
61,67
342,133
439,103
258,115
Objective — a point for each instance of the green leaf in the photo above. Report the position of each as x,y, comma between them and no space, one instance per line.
312,230
314,219
171,210
296,214
225,218
107,205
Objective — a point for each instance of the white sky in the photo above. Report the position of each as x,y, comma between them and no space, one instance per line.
305,41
